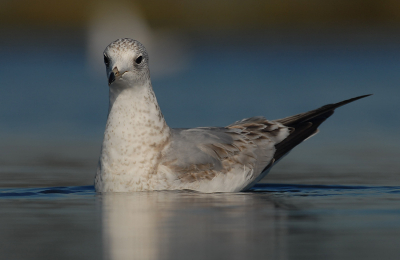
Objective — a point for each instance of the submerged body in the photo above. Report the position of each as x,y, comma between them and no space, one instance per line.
140,152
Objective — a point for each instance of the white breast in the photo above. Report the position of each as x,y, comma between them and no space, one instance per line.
135,134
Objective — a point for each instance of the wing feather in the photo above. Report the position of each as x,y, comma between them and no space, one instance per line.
203,153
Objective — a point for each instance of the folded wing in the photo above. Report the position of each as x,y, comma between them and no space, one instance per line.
245,147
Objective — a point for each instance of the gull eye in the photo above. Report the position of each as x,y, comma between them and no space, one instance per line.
106,60
139,59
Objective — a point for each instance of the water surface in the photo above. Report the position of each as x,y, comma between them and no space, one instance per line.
273,221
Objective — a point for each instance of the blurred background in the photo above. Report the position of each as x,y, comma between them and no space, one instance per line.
212,63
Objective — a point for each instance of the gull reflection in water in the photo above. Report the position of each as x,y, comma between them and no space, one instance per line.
189,225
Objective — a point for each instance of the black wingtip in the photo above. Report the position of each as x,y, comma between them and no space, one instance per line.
305,125
292,120
339,104
363,96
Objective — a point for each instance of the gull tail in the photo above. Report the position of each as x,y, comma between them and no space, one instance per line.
305,125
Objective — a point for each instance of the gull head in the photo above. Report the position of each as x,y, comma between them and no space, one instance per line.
127,63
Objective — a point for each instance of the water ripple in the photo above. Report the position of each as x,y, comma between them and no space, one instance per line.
51,192
291,189
325,190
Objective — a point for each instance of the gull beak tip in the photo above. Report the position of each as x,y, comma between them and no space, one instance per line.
111,78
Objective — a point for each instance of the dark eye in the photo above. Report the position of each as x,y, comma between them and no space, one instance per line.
139,59
106,60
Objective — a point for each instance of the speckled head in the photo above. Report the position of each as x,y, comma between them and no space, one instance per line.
127,63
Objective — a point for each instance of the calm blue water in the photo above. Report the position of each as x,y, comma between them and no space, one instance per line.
52,116
279,221
47,193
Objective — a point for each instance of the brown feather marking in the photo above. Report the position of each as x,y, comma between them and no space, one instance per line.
219,151
254,127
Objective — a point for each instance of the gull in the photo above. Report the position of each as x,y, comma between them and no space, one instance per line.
140,152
